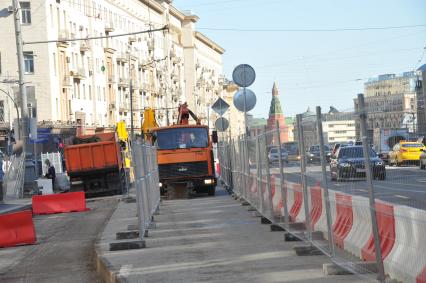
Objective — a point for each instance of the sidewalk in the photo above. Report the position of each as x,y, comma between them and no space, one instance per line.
14,205
207,239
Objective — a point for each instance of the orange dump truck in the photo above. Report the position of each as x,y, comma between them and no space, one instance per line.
185,156
94,164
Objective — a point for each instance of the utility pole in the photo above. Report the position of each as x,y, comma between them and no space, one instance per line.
21,71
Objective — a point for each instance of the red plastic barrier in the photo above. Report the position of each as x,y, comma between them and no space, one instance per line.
59,203
344,219
218,169
386,226
17,228
316,204
253,184
297,204
421,278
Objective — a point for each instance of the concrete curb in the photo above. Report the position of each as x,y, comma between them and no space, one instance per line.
102,265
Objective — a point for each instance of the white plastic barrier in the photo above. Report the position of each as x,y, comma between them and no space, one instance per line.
361,228
407,260
322,222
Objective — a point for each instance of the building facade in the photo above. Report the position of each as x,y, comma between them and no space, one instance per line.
90,82
391,102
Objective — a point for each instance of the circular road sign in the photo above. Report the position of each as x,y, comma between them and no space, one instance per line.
239,100
243,75
221,124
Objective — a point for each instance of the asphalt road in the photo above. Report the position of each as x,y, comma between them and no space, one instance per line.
63,252
403,185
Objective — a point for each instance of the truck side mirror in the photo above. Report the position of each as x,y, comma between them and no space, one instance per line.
214,137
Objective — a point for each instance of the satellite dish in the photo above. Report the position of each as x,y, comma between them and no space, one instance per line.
221,124
243,75
250,98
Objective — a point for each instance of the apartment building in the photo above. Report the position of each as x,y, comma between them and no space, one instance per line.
89,82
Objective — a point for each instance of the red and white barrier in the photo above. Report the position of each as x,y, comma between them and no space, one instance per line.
344,219
406,262
361,229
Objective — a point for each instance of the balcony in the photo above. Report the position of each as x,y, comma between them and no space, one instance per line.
66,81
78,74
109,50
123,82
109,27
122,57
84,46
63,35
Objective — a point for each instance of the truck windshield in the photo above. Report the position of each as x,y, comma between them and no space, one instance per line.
181,138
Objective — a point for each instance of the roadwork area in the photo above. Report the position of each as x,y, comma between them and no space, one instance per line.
207,239
64,251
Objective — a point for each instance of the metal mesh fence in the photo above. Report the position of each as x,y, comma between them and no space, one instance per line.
146,183
361,202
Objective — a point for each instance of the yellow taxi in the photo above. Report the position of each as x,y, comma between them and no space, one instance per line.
406,152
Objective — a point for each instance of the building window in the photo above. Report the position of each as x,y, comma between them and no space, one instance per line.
29,62
84,91
0,62
25,13
90,92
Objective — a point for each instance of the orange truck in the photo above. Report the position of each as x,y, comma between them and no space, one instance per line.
185,156
95,165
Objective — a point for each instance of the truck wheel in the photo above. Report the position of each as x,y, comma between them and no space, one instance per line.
422,166
211,190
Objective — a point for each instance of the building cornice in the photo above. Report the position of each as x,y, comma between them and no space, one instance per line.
213,45
176,13
154,5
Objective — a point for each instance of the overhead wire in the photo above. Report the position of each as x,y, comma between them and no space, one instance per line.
314,30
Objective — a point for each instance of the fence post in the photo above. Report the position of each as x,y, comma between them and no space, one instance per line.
268,178
324,177
366,150
259,174
280,162
303,175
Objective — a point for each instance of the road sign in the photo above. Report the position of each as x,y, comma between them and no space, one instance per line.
250,100
243,75
221,124
220,106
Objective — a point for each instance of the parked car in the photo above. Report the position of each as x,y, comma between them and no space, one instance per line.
273,155
349,163
422,160
406,152
313,154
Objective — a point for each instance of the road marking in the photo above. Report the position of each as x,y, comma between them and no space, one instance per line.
126,269
421,180
399,196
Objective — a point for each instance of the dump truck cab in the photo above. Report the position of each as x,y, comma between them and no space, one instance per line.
185,158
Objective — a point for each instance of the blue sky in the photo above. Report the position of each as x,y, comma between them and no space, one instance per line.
313,68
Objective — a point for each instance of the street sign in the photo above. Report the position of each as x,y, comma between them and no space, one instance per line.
250,100
221,124
243,75
43,135
220,106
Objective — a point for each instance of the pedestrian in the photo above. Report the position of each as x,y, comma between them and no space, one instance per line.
51,174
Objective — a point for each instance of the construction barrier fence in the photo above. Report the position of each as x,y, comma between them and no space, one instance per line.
145,169
337,202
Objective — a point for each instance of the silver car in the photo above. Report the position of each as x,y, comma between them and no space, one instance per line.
273,155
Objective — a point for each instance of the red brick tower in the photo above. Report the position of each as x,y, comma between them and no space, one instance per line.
276,114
